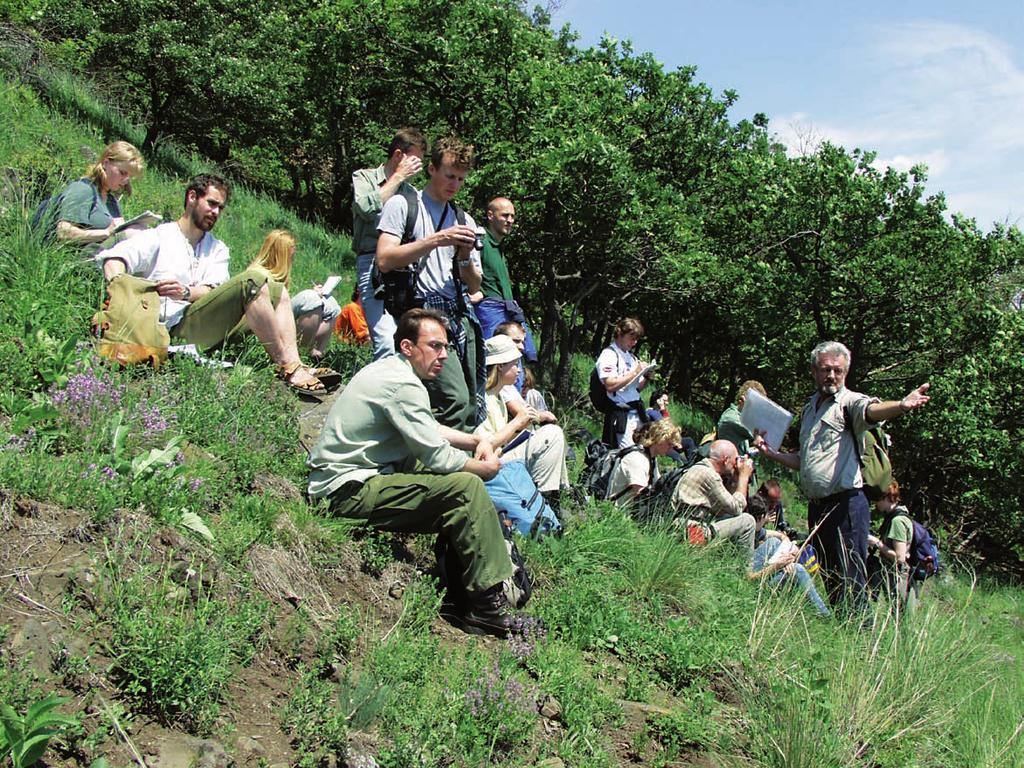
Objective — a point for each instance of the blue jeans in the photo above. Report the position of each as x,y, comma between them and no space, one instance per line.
800,575
382,325
842,545
493,312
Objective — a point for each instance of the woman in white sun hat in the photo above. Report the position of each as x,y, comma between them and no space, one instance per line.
543,451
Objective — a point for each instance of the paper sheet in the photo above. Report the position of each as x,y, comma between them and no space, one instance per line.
329,285
784,549
761,414
142,221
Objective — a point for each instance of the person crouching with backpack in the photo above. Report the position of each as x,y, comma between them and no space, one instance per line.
637,470
623,376
893,545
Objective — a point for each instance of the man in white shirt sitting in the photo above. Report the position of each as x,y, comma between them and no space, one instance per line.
199,303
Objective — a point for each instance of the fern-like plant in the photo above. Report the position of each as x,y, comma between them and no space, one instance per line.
26,738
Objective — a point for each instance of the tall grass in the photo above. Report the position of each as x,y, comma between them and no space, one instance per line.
903,692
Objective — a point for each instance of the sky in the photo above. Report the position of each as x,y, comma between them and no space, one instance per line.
937,82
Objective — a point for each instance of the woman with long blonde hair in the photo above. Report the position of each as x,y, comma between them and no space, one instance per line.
89,211
314,313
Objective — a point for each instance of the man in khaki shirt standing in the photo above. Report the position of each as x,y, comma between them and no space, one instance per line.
371,188
831,427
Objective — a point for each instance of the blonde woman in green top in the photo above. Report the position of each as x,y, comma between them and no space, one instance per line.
89,210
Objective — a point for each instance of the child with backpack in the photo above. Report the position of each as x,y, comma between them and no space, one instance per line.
615,385
906,548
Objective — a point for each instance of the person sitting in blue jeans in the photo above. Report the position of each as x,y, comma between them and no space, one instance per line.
785,567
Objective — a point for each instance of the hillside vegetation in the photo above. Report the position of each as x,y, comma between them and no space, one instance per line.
636,195
162,573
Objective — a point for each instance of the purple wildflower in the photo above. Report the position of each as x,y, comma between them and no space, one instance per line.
88,393
18,443
196,484
109,473
526,632
152,420
498,697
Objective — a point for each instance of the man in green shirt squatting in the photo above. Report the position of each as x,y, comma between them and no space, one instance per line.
384,459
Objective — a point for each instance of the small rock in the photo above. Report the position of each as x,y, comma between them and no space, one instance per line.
359,760
213,755
551,709
250,750
35,639
551,762
169,537
397,590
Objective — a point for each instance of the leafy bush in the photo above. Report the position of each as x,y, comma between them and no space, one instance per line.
175,652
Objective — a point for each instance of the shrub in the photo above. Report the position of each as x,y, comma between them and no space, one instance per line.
176,652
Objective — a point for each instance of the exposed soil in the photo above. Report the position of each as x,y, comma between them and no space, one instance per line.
51,581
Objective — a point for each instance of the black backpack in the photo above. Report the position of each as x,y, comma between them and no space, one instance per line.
924,558
655,503
397,288
599,395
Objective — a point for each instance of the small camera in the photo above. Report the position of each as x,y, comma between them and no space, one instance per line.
478,244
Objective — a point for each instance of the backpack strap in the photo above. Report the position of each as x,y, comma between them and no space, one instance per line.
412,212
460,218
619,456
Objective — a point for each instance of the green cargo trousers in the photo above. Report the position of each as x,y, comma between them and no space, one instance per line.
456,505
453,392
220,313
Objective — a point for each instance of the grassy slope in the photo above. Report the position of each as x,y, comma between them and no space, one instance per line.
656,653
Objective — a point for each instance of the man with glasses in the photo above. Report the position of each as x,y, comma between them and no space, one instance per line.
383,458
831,428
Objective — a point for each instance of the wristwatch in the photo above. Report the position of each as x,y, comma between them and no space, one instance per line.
187,296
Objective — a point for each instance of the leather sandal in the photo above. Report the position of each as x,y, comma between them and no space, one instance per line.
312,386
329,377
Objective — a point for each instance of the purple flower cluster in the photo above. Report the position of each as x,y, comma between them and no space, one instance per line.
89,393
153,422
498,697
526,632
196,484
107,474
18,443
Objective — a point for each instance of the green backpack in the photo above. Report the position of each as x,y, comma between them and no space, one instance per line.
875,466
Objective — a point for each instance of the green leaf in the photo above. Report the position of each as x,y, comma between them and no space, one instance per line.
32,750
194,523
157,457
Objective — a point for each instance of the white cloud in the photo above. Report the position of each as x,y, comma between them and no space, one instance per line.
943,94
